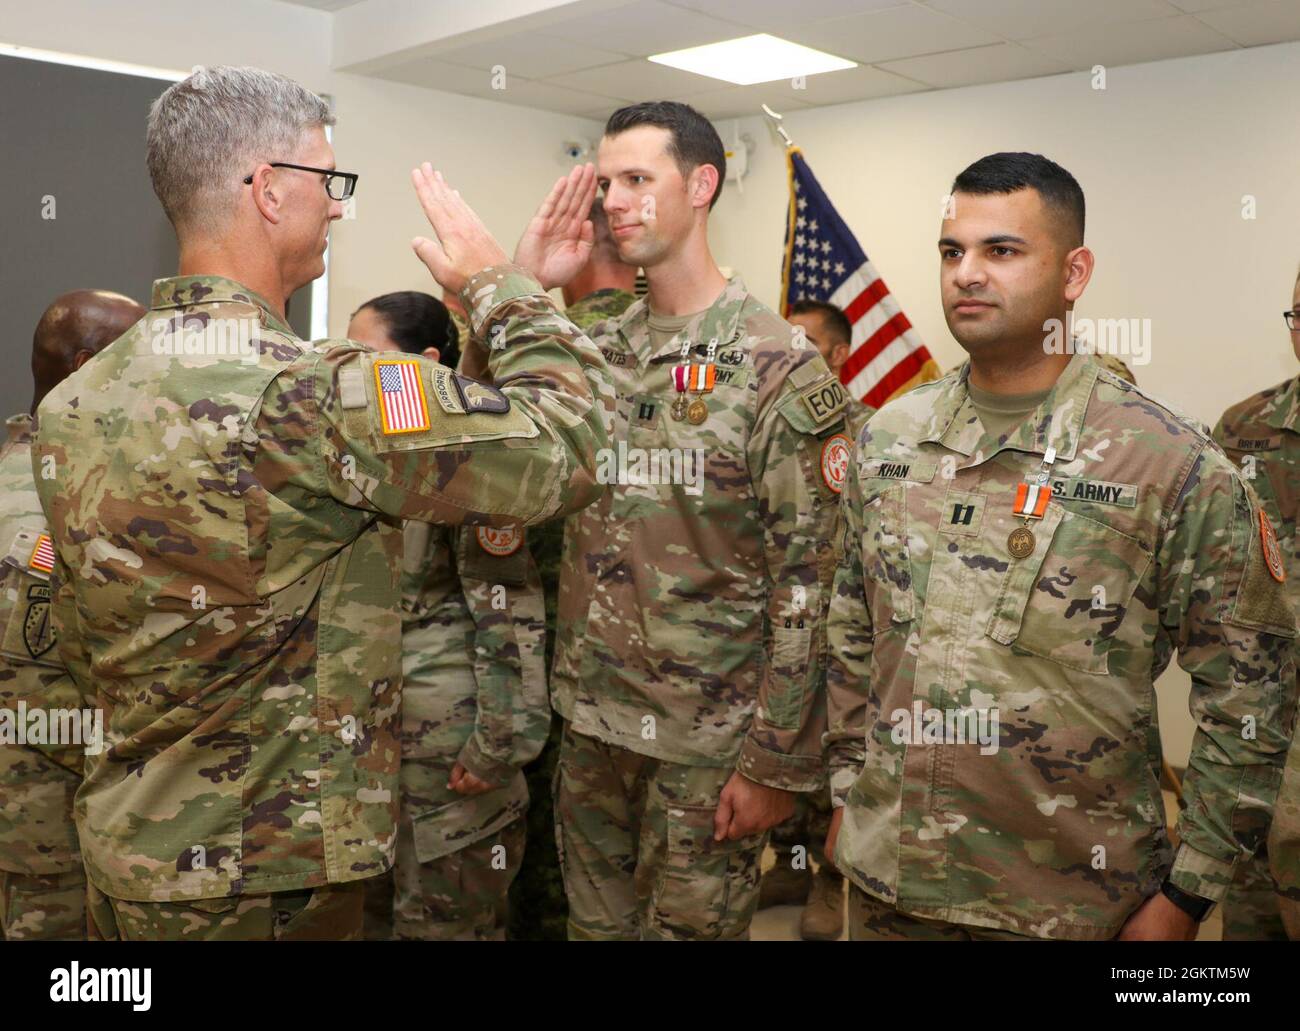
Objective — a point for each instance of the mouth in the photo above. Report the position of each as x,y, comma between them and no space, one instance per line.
625,230
970,307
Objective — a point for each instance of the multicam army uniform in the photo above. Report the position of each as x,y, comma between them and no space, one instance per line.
538,909
228,530
811,821
1262,436
473,691
42,883
1150,541
688,622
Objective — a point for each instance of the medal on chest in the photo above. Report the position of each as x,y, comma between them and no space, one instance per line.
1031,503
691,377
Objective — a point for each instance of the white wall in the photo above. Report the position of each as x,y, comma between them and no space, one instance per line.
1164,154
502,158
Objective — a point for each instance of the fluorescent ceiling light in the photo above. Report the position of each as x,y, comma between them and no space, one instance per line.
102,64
752,59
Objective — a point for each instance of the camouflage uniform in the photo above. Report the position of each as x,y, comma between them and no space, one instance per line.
474,691
1262,436
42,882
811,821
229,542
688,623
1151,541
538,909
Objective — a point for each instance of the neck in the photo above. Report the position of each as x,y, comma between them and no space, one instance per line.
1020,371
688,282
259,272
591,279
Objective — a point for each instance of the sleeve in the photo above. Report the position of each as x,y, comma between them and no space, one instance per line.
1222,604
407,437
792,462
74,689
1284,845
848,660
503,590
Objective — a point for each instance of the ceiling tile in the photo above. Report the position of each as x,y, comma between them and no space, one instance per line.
774,16
1257,24
1024,19
1000,62
1195,6
743,101
862,83
638,79
433,74
529,55
1141,41
529,93
889,34
645,27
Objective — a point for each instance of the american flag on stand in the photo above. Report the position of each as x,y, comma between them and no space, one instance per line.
823,262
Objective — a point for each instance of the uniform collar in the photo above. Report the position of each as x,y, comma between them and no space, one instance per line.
192,291
20,429
1284,412
1057,421
720,321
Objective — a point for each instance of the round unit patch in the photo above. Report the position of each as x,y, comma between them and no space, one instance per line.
499,540
835,461
1272,553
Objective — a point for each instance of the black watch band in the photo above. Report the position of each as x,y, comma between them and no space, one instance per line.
1195,906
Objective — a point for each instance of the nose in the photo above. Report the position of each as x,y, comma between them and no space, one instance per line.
616,199
336,209
970,272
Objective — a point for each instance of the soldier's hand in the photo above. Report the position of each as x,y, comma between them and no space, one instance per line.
557,242
833,835
1158,920
465,783
464,246
746,808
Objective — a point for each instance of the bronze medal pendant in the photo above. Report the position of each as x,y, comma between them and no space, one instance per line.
698,411
1020,542
679,408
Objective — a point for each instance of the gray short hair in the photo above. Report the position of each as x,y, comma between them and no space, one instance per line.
207,132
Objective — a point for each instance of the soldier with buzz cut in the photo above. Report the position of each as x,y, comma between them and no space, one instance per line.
1262,436
226,508
687,667
42,881
1029,541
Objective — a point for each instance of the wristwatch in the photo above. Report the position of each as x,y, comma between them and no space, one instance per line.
1195,906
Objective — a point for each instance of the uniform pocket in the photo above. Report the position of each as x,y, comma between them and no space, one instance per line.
1067,600
886,561
785,687
703,891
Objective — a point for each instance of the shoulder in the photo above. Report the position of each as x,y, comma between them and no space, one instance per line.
913,409
1131,408
1248,418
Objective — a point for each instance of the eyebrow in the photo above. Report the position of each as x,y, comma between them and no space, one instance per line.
988,241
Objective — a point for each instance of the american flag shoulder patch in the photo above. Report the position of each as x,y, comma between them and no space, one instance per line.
42,558
403,407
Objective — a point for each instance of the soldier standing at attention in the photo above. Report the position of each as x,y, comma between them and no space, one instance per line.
686,668
474,702
606,286
1030,539
42,881
1262,436
230,499
790,881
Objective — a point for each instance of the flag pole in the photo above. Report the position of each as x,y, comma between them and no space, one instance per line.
776,124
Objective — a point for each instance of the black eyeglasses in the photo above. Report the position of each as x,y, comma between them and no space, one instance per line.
1292,319
339,185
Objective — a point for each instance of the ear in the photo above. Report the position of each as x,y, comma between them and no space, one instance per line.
1079,264
432,353
703,185
839,355
80,358
265,193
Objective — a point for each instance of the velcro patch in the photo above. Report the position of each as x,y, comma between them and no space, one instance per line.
481,397
918,471
835,461
1098,492
824,400
42,557
403,407
352,387
1253,443
499,540
444,390
1272,552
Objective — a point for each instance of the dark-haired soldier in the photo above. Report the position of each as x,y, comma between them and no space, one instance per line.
686,668
1031,538
474,704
